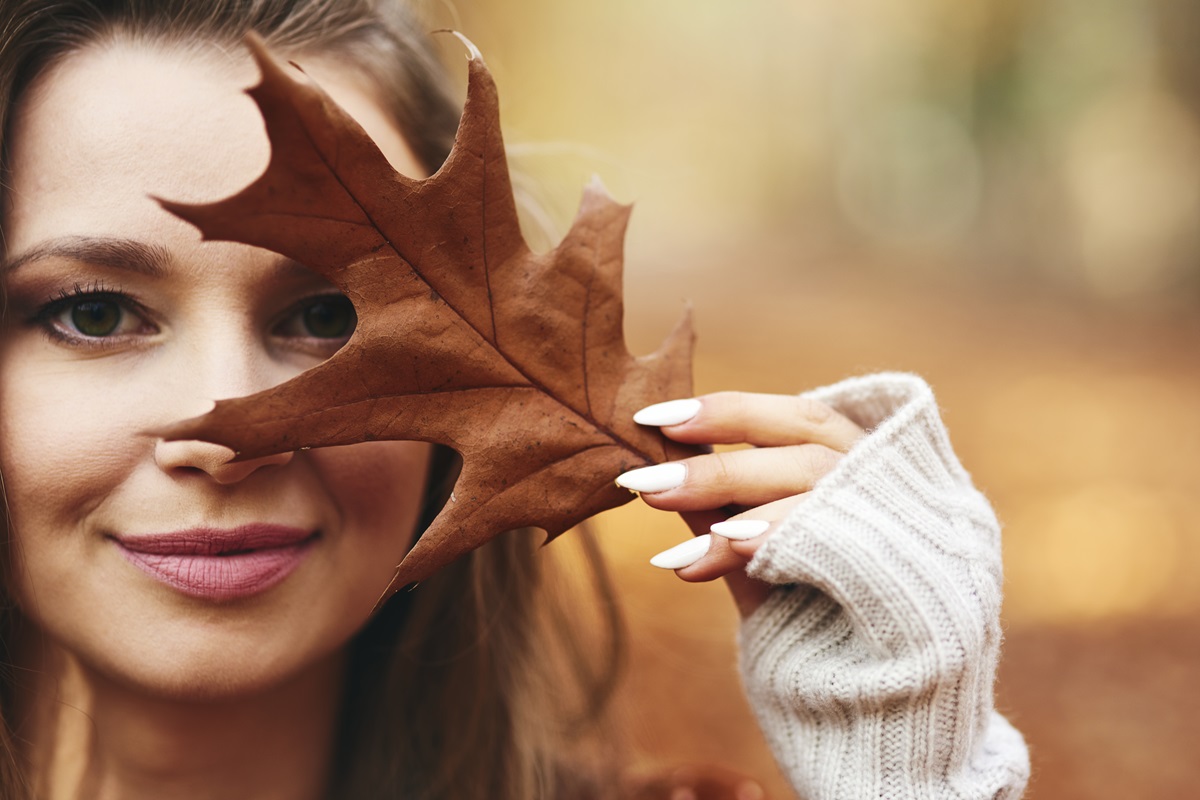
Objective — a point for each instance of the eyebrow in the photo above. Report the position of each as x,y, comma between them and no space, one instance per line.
104,251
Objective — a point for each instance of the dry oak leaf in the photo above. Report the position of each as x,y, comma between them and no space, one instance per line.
465,337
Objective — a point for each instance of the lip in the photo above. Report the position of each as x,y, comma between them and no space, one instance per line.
219,563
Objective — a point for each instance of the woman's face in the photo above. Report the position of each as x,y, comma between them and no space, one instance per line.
152,562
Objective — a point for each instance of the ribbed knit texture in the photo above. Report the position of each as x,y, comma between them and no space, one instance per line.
871,672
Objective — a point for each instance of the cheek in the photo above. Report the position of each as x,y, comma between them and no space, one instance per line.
377,488
62,451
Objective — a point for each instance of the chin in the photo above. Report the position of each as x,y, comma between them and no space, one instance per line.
186,651
209,671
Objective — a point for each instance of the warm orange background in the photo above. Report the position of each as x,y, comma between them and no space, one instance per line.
1001,195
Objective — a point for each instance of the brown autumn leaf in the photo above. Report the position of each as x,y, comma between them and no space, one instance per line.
465,337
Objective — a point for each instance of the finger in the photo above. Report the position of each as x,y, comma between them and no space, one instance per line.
747,593
748,532
707,557
731,543
742,535
742,477
764,420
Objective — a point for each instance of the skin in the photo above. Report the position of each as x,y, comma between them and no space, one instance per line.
137,690
166,695
795,441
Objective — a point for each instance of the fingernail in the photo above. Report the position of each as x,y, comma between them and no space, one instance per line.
740,528
672,412
657,478
683,555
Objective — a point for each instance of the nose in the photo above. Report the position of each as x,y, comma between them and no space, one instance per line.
211,459
227,362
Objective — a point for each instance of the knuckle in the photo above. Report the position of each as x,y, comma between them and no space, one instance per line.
721,472
814,413
816,459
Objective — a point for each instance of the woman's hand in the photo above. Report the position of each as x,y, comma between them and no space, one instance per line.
732,499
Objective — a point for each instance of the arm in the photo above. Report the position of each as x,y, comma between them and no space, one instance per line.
871,662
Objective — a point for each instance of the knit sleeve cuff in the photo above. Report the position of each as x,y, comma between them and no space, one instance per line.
871,666
896,533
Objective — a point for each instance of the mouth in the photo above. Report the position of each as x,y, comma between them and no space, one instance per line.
220,563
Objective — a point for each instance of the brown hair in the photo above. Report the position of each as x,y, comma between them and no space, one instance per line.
456,689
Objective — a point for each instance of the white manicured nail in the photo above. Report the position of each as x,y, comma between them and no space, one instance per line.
741,528
672,412
683,555
658,478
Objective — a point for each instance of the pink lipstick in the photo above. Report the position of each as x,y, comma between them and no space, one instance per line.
219,563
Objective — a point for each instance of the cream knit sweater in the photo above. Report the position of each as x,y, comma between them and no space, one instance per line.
871,668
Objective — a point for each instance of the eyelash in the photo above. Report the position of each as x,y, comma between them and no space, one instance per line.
95,291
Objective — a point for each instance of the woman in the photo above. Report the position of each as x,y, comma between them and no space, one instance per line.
181,626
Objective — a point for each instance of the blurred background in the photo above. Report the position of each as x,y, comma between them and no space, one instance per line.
1002,195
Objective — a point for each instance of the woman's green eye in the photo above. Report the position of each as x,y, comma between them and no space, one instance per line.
93,318
329,318
96,317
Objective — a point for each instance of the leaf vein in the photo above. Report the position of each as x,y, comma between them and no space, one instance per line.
585,414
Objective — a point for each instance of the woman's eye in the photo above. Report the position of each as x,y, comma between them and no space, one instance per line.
328,317
96,315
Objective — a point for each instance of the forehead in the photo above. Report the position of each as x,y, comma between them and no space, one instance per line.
112,124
